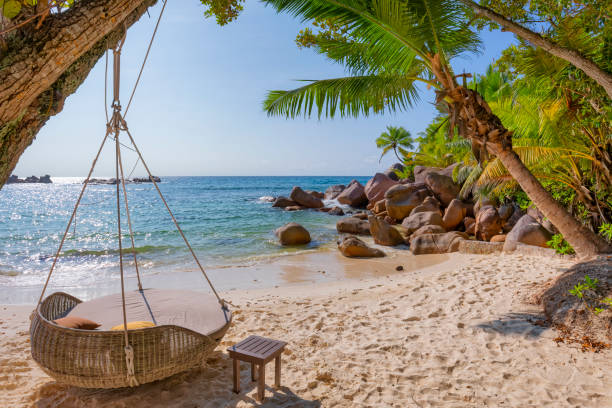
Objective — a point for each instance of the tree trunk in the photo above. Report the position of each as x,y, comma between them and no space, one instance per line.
584,241
572,56
477,122
41,68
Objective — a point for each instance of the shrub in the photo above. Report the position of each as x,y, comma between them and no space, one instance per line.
560,245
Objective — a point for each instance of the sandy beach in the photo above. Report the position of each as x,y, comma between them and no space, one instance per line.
461,333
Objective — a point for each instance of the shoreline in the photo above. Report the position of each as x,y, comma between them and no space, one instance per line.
322,264
460,333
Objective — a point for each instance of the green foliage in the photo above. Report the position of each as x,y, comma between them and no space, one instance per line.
522,200
386,45
396,139
589,293
328,30
560,245
224,11
11,8
605,230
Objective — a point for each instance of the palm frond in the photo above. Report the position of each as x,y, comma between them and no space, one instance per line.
350,96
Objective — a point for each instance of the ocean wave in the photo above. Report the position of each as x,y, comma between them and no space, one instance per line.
9,272
103,252
252,260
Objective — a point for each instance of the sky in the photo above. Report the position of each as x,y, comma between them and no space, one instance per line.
198,108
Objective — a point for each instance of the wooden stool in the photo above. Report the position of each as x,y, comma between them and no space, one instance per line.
257,351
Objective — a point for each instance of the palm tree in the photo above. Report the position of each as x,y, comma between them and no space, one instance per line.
394,44
556,141
396,139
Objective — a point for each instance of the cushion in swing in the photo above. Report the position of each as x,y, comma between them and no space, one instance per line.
76,322
134,325
197,311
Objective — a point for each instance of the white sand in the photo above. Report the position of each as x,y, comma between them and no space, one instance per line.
458,334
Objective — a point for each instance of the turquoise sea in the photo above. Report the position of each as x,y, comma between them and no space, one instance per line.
225,219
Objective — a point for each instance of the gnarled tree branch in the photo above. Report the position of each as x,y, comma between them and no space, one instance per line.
40,68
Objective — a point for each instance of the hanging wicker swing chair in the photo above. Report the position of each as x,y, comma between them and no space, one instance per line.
187,327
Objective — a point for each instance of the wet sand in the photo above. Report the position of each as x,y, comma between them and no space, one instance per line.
322,265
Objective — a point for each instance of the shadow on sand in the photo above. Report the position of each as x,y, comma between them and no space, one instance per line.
562,309
528,325
210,386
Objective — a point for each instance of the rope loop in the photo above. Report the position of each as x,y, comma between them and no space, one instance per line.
129,362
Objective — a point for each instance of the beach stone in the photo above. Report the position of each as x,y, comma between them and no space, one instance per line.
527,231
420,219
325,209
353,195
517,214
353,247
384,233
305,199
295,208
485,202
421,172
333,191
505,211
316,194
454,214
470,225
353,225
390,172
389,220
403,198
541,218
488,223
336,211
377,186
427,229
429,204
282,202
443,187
361,215
437,243
498,238
379,206
293,234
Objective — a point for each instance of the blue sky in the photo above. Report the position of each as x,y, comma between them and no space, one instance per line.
198,108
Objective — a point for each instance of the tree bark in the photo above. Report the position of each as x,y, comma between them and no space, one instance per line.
485,129
40,68
572,56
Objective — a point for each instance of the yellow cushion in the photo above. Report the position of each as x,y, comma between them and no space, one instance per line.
135,325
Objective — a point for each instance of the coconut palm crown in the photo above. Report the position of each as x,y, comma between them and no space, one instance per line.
396,139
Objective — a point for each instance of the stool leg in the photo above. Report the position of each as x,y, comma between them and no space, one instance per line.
261,382
277,371
252,371
236,376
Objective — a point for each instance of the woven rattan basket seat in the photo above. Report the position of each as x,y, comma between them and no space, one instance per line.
189,325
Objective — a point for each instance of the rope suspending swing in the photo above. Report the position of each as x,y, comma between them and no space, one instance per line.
114,126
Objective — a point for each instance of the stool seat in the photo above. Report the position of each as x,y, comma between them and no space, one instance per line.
257,351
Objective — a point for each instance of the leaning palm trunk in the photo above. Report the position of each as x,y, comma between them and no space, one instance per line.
477,122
